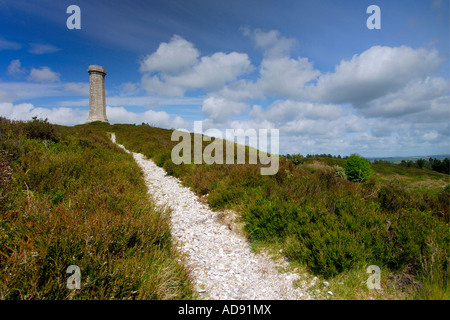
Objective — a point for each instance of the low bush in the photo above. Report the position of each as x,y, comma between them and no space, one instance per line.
41,129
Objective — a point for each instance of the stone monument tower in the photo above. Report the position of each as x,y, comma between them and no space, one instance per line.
97,103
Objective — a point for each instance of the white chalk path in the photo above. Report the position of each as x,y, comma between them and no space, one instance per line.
222,263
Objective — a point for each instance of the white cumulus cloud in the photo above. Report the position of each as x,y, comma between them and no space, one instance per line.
220,109
374,73
26,111
213,72
177,67
155,118
417,96
286,77
270,42
171,57
43,74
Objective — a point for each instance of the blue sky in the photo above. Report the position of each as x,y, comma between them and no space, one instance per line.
311,69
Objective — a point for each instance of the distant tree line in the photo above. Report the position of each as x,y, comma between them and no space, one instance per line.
324,155
442,166
297,158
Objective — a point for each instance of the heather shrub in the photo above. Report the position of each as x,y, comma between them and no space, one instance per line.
5,178
162,158
82,201
41,129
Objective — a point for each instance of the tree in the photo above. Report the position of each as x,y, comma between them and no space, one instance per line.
446,166
420,163
297,159
357,168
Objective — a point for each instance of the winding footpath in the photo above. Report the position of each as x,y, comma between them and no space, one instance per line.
222,263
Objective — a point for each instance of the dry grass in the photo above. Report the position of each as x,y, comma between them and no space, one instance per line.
318,165
422,183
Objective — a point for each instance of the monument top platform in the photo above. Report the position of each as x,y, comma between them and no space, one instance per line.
95,68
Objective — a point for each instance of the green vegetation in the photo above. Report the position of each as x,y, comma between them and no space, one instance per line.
442,166
68,196
60,208
340,172
357,168
318,219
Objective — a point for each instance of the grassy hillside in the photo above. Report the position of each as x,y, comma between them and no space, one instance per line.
59,209
333,226
68,196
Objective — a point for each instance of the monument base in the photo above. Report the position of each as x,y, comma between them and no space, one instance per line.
96,120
